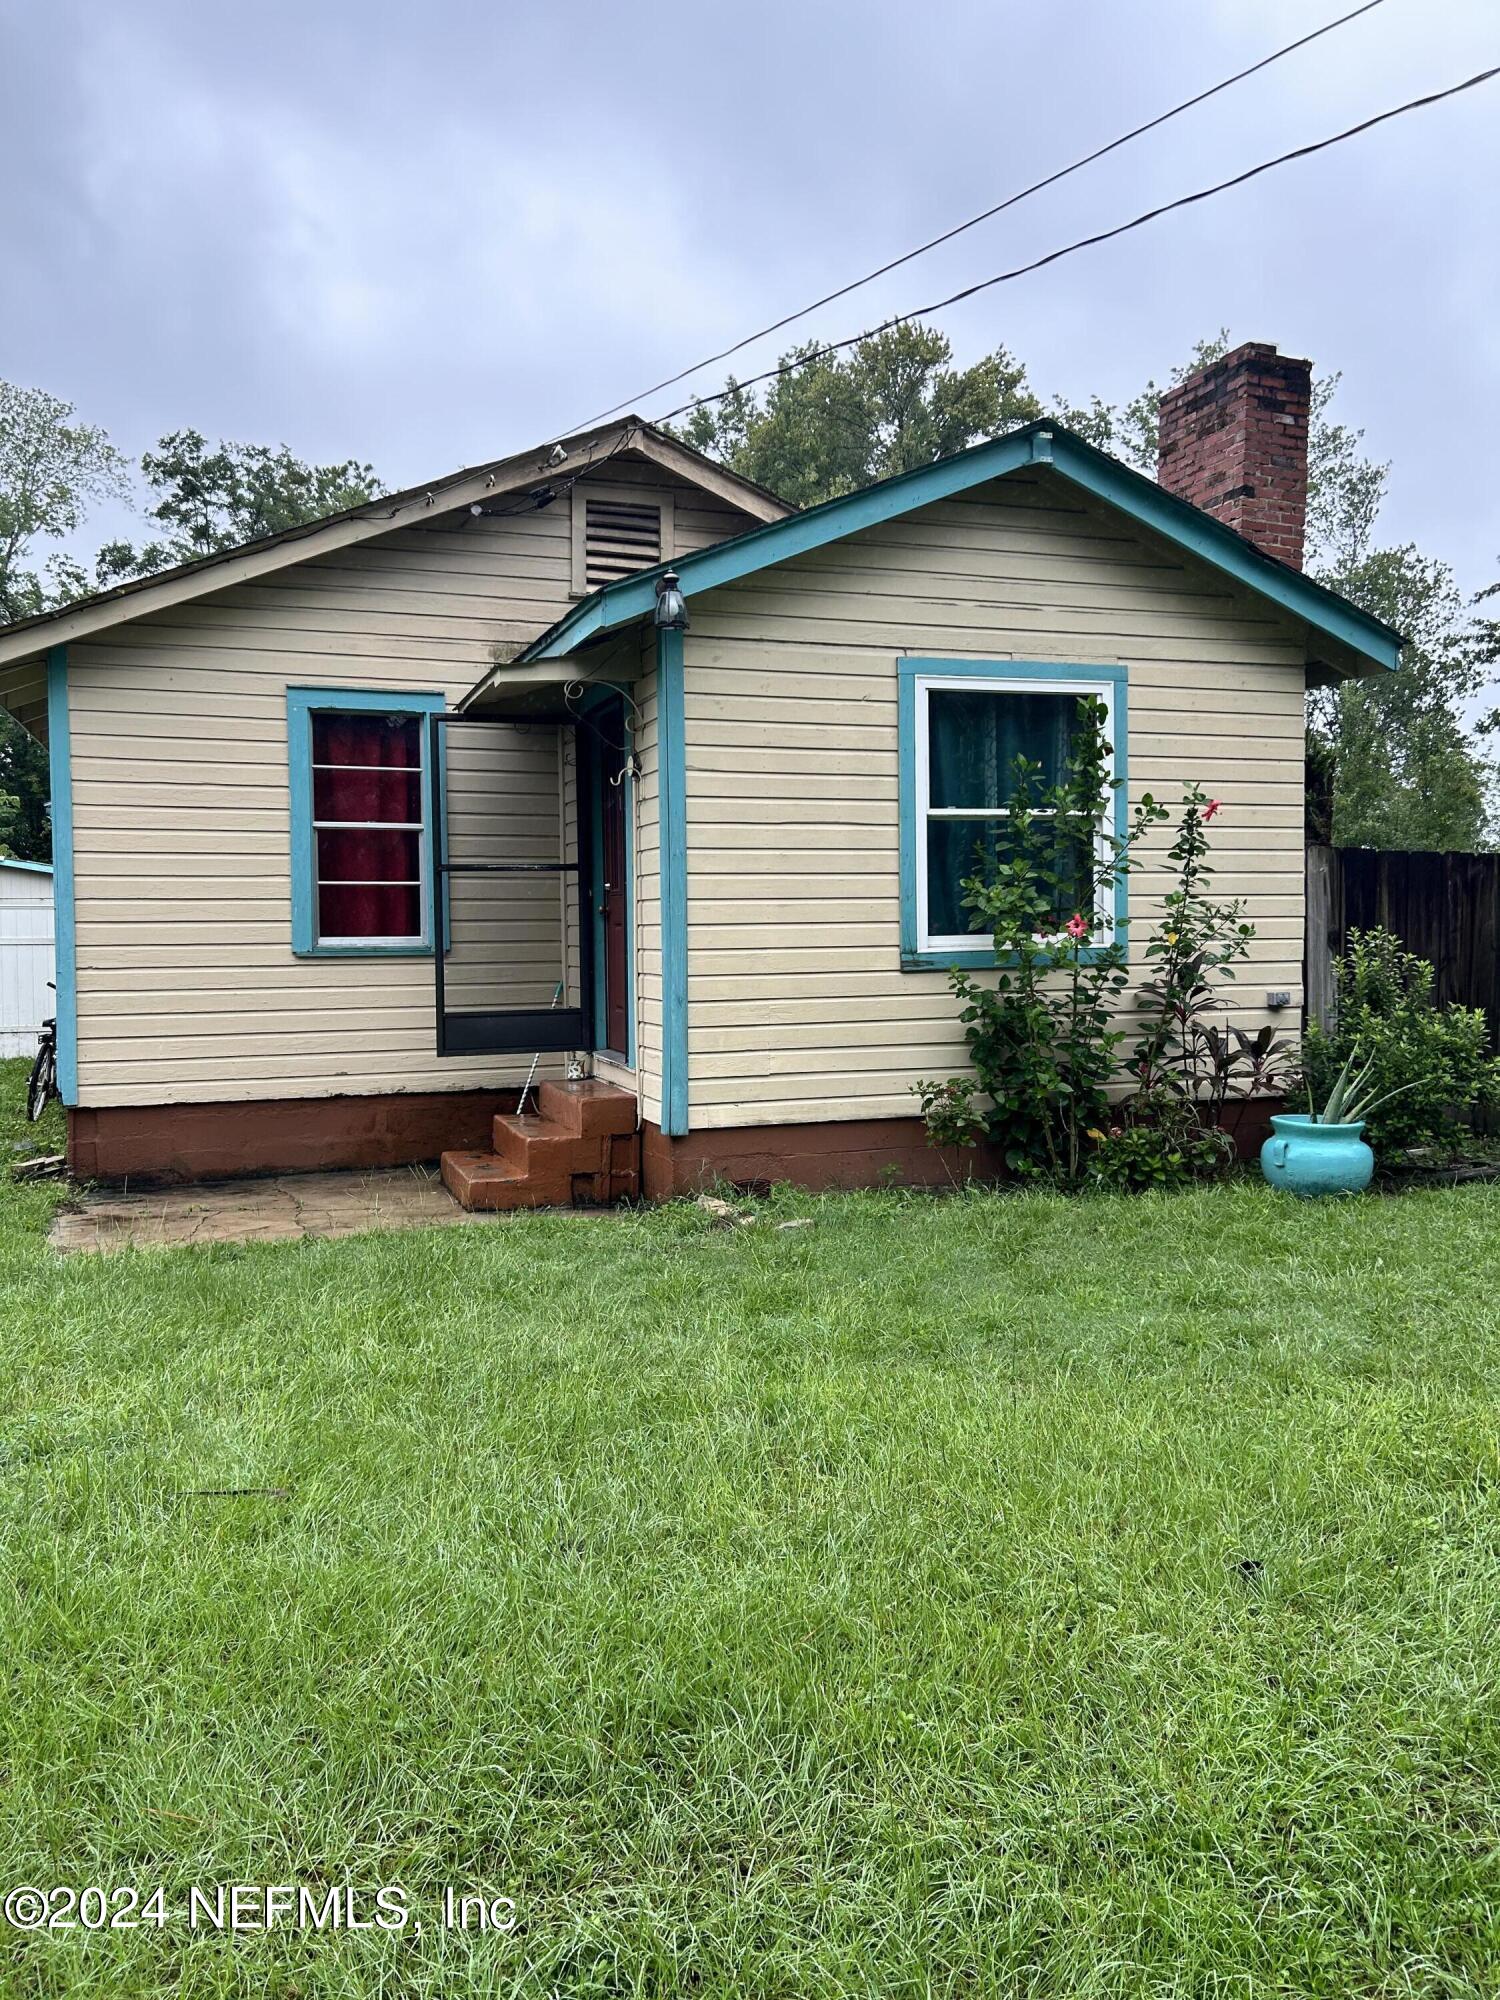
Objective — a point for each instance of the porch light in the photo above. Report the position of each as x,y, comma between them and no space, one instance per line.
671,606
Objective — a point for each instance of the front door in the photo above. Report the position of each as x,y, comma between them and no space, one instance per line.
609,761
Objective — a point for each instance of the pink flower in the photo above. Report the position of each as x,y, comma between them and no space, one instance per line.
1213,806
1078,927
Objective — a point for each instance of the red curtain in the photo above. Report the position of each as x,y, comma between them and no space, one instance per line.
368,769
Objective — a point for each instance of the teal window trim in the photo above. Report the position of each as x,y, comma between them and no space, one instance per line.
589,772
671,737
301,705
913,673
64,905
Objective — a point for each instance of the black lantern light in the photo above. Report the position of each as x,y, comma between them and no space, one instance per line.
671,606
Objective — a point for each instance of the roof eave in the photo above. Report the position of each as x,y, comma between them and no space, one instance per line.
1040,443
142,596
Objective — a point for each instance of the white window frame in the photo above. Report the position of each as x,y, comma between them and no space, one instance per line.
1102,690
417,940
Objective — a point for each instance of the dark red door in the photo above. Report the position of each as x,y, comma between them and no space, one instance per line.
613,898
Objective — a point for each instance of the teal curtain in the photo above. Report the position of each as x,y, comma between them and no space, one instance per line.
956,849
974,738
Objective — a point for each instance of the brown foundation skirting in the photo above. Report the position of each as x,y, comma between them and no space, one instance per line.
192,1142
851,1153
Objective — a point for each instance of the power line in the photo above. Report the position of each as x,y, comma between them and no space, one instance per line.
1086,242
999,208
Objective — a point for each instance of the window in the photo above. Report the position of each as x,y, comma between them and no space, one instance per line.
367,828
617,532
359,821
963,723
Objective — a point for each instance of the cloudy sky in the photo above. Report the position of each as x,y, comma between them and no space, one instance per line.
427,235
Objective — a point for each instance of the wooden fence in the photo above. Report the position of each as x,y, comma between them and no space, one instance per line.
1444,906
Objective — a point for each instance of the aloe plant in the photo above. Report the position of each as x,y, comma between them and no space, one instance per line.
1350,1101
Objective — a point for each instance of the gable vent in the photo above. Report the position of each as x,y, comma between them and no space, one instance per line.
619,538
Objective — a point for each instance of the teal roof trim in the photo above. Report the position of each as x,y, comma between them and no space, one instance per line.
31,867
1041,443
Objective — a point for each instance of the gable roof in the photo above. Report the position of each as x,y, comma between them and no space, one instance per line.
1337,629
382,516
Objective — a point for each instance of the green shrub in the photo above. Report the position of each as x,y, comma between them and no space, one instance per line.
951,1111
1160,1142
1386,1011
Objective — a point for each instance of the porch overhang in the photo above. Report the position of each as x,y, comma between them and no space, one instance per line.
539,690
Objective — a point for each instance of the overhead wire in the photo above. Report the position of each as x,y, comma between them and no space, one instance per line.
1085,243
985,215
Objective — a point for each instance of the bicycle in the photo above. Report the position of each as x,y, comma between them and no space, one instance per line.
42,1086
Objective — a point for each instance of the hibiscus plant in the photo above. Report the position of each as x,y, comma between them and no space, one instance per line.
1043,1032
1041,1038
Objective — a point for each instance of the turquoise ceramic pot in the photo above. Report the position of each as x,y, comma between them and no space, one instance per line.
1307,1158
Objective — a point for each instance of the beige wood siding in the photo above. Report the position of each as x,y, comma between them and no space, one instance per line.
799,1010
188,990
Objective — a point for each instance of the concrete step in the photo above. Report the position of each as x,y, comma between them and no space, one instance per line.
579,1148
533,1144
590,1107
479,1180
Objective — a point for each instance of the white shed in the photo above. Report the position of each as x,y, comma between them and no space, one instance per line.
26,953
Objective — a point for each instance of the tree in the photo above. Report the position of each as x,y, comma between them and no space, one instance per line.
1484,636
1406,773
834,423
51,469
25,785
209,500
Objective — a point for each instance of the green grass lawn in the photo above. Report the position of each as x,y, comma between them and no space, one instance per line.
989,1596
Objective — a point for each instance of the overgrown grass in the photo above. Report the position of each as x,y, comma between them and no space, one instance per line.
20,1140
983,1597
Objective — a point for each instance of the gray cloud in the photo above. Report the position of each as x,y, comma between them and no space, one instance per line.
427,235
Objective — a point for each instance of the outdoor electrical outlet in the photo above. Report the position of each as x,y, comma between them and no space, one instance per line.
1276,1000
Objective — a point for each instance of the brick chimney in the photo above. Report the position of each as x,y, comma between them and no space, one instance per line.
1233,440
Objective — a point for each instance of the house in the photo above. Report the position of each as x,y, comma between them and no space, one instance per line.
705,870
26,969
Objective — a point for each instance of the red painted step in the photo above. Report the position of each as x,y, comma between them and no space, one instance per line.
580,1147
534,1145
590,1107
